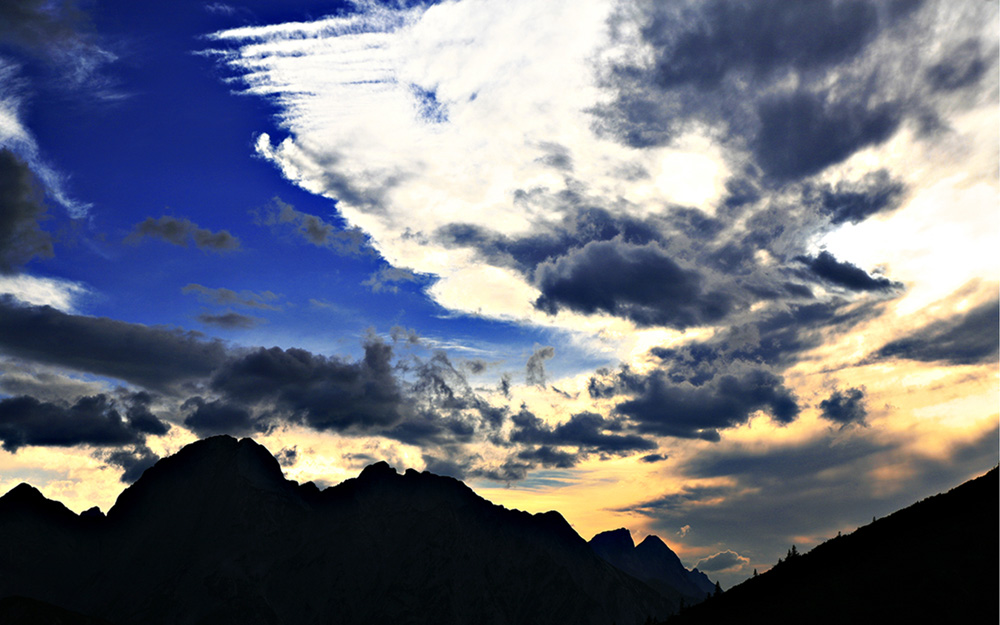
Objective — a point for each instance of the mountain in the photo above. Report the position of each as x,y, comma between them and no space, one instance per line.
653,562
934,562
216,534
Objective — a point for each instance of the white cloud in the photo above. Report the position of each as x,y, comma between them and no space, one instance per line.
60,294
14,136
419,118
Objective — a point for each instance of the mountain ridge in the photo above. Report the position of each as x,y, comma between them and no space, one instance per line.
215,533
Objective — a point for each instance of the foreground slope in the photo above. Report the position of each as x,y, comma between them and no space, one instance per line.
934,562
215,534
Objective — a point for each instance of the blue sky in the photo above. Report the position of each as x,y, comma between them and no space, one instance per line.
719,271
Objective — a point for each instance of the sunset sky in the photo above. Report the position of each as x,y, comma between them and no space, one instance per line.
726,272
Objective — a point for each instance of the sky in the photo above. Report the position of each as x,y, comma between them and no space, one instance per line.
725,272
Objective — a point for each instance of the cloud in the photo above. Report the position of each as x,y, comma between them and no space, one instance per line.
967,338
963,65
845,407
153,357
388,279
59,294
761,38
134,461
638,282
666,407
228,297
94,420
286,456
730,65
651,458
21,210
802,133
319,392
854,201
588,431
182,232
548,457
727,560
57,32
679,501
230,321
535,367
219,417
845,274
348,241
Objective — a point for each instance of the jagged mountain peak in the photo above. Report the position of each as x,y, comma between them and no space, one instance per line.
25,498
212,469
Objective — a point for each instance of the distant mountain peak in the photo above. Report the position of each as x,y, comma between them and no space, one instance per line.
617,539
27,498
22,493
651,561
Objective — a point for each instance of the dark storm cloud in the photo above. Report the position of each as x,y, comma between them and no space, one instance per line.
444,466
183,232
586,430
581,224
780,338
21,210
730,64
134,461
668,408
228,297
351,241
967,338
140,418
721,561
219,417
535,368
962,67
638,282
322,393
802,133
762,37
853,202
153,357
548,457
846,275
651,458
845,407
93,420
229,321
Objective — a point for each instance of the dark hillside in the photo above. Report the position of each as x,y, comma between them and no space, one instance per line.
933,562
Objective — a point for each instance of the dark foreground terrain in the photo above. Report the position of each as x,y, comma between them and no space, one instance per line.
937,561
215,534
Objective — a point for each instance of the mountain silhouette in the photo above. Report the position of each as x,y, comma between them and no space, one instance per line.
653,562
216,534
933,562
